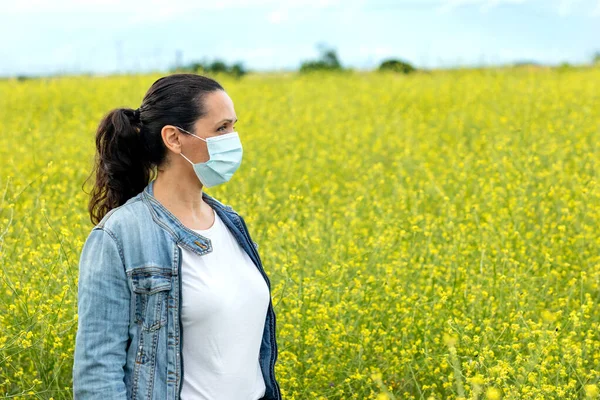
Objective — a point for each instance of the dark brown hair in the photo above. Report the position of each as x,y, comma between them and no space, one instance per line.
129,142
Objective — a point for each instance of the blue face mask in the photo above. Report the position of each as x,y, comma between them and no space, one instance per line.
225,153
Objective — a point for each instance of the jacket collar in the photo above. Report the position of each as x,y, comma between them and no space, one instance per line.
182,235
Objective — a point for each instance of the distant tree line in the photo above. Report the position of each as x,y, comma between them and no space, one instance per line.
215,67
329,61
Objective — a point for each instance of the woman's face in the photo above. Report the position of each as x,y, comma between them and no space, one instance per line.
219,119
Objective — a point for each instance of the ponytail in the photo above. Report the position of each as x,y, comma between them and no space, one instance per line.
121,166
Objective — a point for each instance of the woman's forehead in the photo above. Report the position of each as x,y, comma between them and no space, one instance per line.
219,106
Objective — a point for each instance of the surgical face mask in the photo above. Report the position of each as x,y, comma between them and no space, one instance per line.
225,153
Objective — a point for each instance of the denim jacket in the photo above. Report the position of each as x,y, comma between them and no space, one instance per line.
129,337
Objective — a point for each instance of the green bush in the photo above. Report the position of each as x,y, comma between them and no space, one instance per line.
397,66
328,62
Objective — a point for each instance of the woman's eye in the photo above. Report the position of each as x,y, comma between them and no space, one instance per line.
224,126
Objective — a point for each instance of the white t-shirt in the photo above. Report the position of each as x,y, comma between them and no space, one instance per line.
224,306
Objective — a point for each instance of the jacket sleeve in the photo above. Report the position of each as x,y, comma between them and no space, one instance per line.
103,320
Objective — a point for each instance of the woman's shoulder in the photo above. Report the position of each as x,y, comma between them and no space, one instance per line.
130,216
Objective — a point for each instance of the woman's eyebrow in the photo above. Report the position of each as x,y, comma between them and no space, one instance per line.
228,120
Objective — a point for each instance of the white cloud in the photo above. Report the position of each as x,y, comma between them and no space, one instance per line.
565,7
144,11
170,6
297,10
562,8
596,12
484,5
278,16
351,12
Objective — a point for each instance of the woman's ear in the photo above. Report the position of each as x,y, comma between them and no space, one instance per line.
171,137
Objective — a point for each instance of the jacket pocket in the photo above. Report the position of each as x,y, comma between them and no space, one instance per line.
151,287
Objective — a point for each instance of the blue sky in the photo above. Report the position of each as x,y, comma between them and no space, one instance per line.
106,36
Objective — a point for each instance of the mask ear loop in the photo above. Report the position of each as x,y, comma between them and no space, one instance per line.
188,160
196,136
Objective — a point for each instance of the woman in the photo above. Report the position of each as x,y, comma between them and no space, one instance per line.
173,300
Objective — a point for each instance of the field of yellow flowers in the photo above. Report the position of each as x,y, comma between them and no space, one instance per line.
432,236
